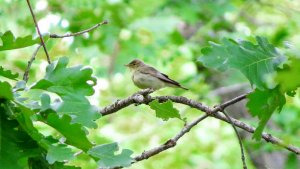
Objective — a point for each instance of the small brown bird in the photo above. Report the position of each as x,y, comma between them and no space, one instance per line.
145,76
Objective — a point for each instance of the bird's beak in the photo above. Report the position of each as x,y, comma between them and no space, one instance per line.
127,65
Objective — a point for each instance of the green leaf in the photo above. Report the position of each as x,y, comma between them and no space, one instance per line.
9,42
216,56
6,91
108,158
255,61
45,102
59,153
20,85
16,146
285,76
73,132
23,116
8,74
79,108
263,104
164,110
72,84
22,141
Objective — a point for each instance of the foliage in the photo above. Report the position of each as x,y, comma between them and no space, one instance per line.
263,104
106,154
60,153
7,74
256,62
15,140
9,42
71,85
287,84
72,132
6,90
164,110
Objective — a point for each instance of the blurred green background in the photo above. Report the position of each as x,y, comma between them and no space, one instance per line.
169,35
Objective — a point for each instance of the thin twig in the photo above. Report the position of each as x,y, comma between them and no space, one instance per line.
171,142
267,137
222,106
168,144
26,73
79,33
144,98
38,30
239,139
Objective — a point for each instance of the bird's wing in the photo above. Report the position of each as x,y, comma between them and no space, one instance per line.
163,77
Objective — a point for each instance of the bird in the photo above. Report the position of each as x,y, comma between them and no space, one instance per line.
145,76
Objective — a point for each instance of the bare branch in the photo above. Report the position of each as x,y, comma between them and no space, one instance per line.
38,30
171,142
120,104
143,97
239,139
267,137
26,73
79,33
168,144
222,106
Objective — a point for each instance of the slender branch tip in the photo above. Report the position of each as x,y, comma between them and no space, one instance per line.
105,22
80,32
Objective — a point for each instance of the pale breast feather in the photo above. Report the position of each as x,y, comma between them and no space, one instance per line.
143,80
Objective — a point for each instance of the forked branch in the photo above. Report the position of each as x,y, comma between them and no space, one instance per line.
143,97
39,32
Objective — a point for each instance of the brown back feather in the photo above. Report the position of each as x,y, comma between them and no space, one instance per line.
163,77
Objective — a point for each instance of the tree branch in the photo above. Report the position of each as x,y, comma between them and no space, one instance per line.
239,139
267,137
168,144
38,30
171,142
79,33
224,105
120,104
26,73
143,97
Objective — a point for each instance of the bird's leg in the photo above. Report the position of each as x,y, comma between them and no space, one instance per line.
141,95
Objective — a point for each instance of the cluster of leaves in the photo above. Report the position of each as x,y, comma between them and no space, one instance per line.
70,114
258,63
